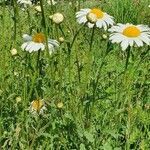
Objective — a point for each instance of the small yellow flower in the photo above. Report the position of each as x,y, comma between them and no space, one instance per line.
61,39
18,99
37,106
13,52
60,105
58,18
104,36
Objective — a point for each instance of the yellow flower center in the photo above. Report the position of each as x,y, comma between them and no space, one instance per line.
131,31
97,12
37,105
38,38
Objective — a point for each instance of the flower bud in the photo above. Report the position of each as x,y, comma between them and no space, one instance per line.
58,18
104,36
61,39
13,52
60,105
91,17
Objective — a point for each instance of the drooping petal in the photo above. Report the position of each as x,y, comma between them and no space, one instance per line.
27,37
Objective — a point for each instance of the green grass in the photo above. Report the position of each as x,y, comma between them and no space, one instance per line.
105,107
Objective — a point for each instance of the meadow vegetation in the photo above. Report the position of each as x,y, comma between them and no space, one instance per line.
94,98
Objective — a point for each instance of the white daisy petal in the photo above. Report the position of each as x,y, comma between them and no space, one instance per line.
117,38
82,20
24,45
55,43
99,24
131,42
124,44
30,46
51,48
38,46
144,37
138,42
90,25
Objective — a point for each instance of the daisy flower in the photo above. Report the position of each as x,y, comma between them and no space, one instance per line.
38,42
129,34
95,17
37,107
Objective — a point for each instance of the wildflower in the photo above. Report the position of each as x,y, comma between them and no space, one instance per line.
51,2
129,34
149,6
61,39
60,104
37,106
25,3
94,17
18,99
58,18
13,52
38,8
38,42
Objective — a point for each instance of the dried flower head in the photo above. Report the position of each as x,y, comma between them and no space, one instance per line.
37,106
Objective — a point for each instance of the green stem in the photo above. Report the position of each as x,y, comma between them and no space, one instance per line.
75,36
29,20
39,70
15,20
70,47
78,66
92,36
43,15
44,25
62,30
127,59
